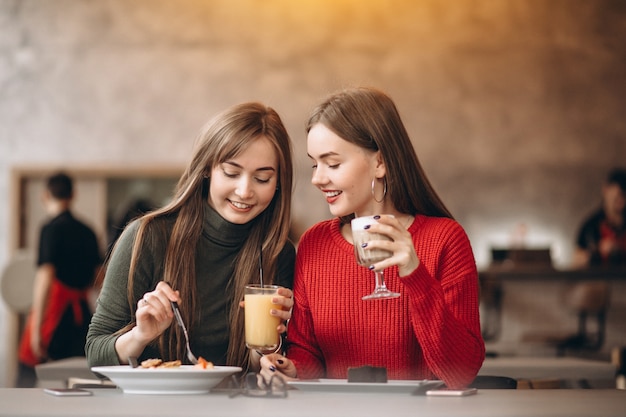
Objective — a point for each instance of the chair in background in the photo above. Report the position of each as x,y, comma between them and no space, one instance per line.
589,300
505,259
17,280
16,290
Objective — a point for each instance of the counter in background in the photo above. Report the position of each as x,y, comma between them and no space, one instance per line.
503,272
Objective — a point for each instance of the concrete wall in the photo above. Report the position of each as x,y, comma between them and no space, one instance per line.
516,108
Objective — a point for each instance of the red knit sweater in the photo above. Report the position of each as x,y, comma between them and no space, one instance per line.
432,331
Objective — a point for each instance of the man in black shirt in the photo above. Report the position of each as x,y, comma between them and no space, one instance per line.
67,263
602,237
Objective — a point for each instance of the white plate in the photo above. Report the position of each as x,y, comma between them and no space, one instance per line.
182,380
342,385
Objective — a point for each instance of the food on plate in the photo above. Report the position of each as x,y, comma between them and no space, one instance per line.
159,363
203,364
170,364
151,363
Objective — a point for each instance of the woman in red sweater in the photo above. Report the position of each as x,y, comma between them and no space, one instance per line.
364,164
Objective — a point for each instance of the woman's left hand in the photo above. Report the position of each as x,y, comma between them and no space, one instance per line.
275,364
286,302
401,246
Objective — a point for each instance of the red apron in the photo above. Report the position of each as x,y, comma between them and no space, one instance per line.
61,296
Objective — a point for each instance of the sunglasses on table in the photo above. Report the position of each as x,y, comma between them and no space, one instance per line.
254,385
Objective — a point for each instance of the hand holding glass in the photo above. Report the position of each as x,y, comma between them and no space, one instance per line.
260,326
367,257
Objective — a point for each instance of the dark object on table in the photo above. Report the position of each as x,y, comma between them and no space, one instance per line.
521,257
493,382
367,374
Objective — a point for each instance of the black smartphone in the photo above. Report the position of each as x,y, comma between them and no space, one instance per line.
67,392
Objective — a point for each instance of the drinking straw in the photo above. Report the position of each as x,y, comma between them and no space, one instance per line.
261,267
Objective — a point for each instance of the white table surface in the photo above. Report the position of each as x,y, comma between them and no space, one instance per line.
34,402
564,368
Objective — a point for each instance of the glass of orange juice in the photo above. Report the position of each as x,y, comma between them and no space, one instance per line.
261,328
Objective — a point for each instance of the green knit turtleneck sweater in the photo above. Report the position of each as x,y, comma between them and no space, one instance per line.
218,247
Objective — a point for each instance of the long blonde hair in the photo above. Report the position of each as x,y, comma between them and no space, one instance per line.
224,137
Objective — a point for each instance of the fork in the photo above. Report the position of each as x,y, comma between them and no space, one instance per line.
192,358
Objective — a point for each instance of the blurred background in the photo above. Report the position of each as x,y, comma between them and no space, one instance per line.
515,108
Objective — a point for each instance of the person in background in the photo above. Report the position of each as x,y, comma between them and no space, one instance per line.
364,164
134,209
67,264
227,223
601,240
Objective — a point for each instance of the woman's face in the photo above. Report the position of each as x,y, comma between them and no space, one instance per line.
343,172
242,187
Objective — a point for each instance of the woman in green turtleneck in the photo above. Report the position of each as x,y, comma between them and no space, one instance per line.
230,213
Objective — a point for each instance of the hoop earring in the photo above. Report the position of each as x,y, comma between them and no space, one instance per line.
384,190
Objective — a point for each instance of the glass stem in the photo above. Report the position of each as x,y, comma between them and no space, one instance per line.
380,281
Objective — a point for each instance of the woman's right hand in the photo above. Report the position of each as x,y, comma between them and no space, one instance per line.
154,312
275,364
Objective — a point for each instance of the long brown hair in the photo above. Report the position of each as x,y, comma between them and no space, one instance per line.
369,119
224,137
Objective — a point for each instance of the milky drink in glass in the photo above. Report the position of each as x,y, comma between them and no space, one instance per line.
360,235
260,326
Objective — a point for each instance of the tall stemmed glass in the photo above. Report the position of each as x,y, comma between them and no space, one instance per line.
367,257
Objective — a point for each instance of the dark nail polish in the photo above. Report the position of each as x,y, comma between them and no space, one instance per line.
371,267
273,368
280,361
364,245
367,226
376,217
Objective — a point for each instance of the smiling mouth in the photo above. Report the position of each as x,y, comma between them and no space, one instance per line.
332,196
240,206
